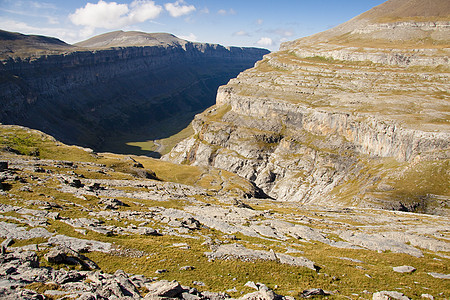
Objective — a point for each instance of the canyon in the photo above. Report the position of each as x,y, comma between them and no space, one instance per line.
322,171
90,95
353,116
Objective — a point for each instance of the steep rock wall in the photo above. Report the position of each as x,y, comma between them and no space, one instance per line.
85,96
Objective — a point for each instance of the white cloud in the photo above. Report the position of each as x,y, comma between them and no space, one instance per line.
282,32
205,11
241,33
224,12
111,15
265,42
64,34
177,9
259,21
191,37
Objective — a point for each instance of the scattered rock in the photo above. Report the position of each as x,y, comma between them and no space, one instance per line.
65,255
111,203
160,271
80,245
387,295
164,288
237,251
313,292
439,275
187,268
427,296
404,269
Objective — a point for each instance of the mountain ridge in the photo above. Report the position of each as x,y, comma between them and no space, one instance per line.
88,96
338,119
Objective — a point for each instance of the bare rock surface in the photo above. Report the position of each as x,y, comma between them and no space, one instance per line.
240,252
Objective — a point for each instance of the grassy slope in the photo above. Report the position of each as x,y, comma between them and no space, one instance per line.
340,276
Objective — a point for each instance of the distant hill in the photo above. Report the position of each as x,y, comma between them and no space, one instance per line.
17,44
130,38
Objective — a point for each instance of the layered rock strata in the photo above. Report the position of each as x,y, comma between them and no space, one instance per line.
324,121
82,95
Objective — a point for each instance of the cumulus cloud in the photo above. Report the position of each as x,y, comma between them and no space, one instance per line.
179,8
111,15
265,42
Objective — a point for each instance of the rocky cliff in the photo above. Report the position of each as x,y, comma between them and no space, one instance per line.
88,95
357,115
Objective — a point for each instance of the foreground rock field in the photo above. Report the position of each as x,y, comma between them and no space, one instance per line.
100,226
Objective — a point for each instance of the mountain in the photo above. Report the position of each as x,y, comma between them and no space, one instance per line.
115,88
17,44
353,116
129,39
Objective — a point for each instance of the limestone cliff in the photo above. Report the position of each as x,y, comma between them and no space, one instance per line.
86,95
345,117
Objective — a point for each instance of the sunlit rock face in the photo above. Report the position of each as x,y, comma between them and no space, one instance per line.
357,115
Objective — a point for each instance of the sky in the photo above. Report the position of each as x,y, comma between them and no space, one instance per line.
245,23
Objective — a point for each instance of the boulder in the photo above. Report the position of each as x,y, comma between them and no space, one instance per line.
388,295
313,292
164,288
404,269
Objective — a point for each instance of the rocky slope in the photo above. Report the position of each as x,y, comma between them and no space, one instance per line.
86,225
357,115
88,95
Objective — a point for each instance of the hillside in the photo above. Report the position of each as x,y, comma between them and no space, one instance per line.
329,121
98,225
110,99
129,39
17,44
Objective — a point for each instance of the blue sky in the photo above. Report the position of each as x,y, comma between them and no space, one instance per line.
260,23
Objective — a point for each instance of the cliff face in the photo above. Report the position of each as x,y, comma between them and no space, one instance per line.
86,96
327,123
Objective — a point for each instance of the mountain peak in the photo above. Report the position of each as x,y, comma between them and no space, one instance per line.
393,24
412,10
130,38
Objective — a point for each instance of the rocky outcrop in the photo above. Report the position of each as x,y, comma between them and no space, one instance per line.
81,96
328,121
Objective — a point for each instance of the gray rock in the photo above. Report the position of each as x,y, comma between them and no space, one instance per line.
251,284
164,288
404,269
237,251
10,230
187,268
63,254
313,292
126,285
378,242
64,276
387,295
439,275
8,242
80,245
